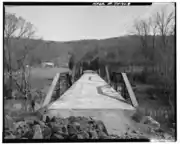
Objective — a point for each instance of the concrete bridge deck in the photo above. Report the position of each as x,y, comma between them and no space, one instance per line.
91,96
91,92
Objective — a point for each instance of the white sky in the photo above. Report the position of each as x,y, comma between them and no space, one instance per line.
66,23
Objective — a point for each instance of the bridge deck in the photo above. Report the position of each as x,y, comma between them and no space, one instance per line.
91,92
91,96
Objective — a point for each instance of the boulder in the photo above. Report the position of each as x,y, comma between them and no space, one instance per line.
37,132
9,122
151,122
93,134
57,136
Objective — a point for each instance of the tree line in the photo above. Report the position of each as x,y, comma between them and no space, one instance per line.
159,29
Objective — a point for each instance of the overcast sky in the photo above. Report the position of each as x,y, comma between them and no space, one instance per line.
65,23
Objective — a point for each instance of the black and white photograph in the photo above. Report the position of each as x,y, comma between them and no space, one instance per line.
89,72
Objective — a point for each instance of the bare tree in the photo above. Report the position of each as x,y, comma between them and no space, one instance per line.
9,29
161,26
153,29
142,29
15,28
164,25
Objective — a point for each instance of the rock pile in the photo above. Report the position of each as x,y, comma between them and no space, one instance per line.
64,128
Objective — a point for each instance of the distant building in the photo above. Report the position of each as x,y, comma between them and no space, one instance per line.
47,64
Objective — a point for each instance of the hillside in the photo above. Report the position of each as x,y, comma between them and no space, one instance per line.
122,50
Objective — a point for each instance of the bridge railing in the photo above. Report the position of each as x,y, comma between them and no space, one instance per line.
107,74
127,91
57,87
55,84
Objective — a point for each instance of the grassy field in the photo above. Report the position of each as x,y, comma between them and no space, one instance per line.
41,79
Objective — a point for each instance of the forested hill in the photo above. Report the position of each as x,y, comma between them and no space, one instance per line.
125,50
